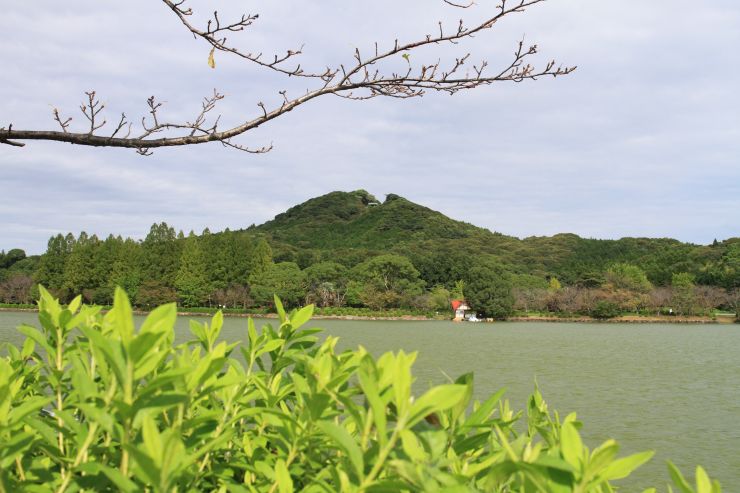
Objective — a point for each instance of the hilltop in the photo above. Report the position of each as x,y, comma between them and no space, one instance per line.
358,220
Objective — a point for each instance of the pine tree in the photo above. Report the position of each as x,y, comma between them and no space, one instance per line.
191,281
160,255
79,269
50,272
216,259
261,258
239,252
125,270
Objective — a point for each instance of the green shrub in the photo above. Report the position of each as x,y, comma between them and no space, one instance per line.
90,402
605,309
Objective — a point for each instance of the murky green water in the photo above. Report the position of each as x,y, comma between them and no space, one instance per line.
671,388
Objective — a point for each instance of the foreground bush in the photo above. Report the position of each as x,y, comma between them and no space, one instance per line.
90,402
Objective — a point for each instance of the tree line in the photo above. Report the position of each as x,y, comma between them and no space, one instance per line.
240,269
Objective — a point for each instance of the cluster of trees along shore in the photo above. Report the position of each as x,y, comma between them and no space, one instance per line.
239,269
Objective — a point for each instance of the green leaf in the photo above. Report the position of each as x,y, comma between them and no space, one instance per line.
282,477
401,377
202,450
15,446
114,475
74,305
104,419
31,405
279,308
369,384
346,443
164,378
436,399
164,400
553,462
302,316
111,350
29,345
122,315
482,413
251,332
412,447
217,322
621,468
143,343
149,363
467,380
703,483
602,457
571,445
149,471
152,439
34,334
270,346
678,479
161,319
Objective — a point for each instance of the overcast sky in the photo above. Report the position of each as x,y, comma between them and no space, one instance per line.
642,140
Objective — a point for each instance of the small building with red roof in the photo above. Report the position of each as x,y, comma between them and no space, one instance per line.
460,306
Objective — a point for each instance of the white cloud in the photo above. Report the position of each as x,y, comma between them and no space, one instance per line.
642,140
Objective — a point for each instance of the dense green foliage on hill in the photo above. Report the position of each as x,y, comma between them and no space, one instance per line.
347,225
331,242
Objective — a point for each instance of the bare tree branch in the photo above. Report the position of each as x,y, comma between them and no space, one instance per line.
91,109
64,124
10,142
365,78
460,5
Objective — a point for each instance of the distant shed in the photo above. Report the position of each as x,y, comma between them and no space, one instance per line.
460,306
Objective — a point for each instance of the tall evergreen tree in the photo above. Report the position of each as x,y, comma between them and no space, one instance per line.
126,268
79,269
160,255
50,272
216,259
239,251
191,281
261,257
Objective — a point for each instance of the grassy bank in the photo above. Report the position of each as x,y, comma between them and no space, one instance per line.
637,318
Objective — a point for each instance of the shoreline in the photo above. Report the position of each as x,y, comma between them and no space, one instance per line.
628,319
625,319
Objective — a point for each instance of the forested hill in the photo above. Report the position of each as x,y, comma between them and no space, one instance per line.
358,220
338,239
348,227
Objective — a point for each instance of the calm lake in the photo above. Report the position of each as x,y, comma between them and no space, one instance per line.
671,388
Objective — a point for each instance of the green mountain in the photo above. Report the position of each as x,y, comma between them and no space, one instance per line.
357,220
349,227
